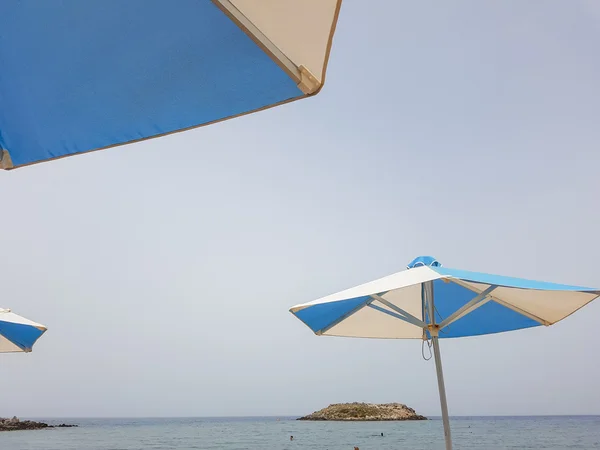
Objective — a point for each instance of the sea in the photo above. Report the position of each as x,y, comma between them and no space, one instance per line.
264,433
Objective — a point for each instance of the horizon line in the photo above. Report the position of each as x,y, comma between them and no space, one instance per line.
288,416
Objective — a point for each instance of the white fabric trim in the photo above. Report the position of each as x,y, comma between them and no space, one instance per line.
397,280
7,316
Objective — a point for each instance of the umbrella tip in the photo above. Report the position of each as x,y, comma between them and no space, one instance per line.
423,261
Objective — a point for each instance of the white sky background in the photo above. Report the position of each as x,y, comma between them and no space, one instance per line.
164,270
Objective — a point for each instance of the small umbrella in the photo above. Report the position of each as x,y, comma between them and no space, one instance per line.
79,76
18,334
428,301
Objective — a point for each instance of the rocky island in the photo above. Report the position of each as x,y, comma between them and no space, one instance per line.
365,412
15,424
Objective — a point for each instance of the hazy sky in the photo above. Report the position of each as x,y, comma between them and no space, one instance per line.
164,270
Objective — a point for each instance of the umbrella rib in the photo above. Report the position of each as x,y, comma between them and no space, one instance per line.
503,303
407,317
229,8
469,307
396,316
343,317
305,80
521,311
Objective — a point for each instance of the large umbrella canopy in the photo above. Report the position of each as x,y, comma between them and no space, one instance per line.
85,75
428,301
466,304
18,334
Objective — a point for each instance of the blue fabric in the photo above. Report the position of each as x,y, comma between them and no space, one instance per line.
24,336
81,75
499,280
423,261
320,316
487,319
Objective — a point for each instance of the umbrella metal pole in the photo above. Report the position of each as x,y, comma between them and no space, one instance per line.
428,302
442,389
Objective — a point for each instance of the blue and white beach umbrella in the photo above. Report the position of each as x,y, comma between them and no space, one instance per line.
84,75
428,301
18,334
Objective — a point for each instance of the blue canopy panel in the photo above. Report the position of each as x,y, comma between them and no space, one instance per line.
487,319
77,76
23,336
323,315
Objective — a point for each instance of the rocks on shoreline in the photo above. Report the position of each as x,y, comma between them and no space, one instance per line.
365,412
15,424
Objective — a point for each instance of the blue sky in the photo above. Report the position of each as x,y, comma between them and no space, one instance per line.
165,269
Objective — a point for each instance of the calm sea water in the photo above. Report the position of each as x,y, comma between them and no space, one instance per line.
550,433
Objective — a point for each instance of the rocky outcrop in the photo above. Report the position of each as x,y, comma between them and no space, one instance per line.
15,424
365,412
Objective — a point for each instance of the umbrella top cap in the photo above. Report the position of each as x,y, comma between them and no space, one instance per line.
423,261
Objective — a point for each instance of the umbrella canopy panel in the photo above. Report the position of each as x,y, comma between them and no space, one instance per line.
79,75
18,334
466,304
